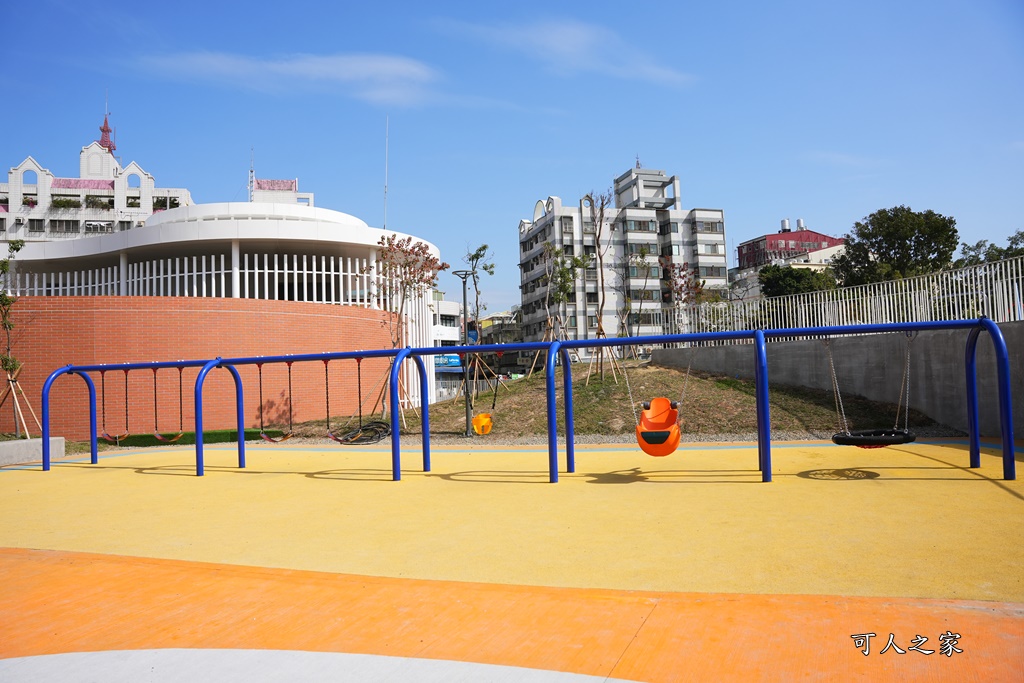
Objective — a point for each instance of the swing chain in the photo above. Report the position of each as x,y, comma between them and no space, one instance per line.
686,380
632,403
840,410
905,387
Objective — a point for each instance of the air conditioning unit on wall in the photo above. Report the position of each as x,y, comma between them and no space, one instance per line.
19,221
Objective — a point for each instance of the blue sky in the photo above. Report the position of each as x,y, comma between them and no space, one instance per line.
815,110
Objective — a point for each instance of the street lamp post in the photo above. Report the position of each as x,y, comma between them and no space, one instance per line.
464,275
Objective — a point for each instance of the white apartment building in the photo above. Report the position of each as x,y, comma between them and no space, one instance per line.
646,228
35,205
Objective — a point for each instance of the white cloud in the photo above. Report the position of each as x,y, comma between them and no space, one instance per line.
572,47
382,79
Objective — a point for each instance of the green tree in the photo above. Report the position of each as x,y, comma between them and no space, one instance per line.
561,275
985,252
784,280
896,243
479,261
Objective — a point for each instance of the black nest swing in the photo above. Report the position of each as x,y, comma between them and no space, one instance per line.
874,438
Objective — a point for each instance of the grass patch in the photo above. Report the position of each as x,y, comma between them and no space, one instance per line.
712,405
187,439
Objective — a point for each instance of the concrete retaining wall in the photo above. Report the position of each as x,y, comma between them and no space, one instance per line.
20,451
872,366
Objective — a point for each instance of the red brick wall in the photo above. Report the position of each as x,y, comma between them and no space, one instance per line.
51,332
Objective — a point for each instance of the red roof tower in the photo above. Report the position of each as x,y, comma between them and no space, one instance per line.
105,141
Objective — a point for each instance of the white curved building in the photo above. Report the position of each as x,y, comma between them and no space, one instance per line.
251,250
278,247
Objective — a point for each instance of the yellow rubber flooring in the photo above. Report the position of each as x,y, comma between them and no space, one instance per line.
679,568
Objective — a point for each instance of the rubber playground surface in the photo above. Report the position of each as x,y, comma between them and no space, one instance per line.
311,564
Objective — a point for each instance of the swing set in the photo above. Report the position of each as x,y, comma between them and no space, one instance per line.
657,426
484,422
370,432
118,438
874,438
263,428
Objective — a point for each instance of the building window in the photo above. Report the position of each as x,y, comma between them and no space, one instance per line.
571,321
36,225
591,297
650,271
567,224
641,226
711,248
98,226
590,274
124,225
709,226
588,226
712,271
592,321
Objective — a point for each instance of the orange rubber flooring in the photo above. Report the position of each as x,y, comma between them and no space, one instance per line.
888,565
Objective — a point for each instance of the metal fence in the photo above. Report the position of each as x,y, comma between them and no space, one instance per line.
447,389
993,290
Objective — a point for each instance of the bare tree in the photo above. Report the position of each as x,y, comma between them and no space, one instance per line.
7,361
685,288
406,270
11,365
627,263
598,205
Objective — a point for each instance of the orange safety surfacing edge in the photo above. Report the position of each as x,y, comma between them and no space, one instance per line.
56,602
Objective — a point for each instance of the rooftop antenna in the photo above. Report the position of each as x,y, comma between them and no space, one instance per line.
252,175
386,125
638,161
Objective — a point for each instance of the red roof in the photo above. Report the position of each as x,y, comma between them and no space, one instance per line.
81,184
286,185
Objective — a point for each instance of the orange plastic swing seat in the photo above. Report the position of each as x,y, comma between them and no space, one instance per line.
482,423
658,431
